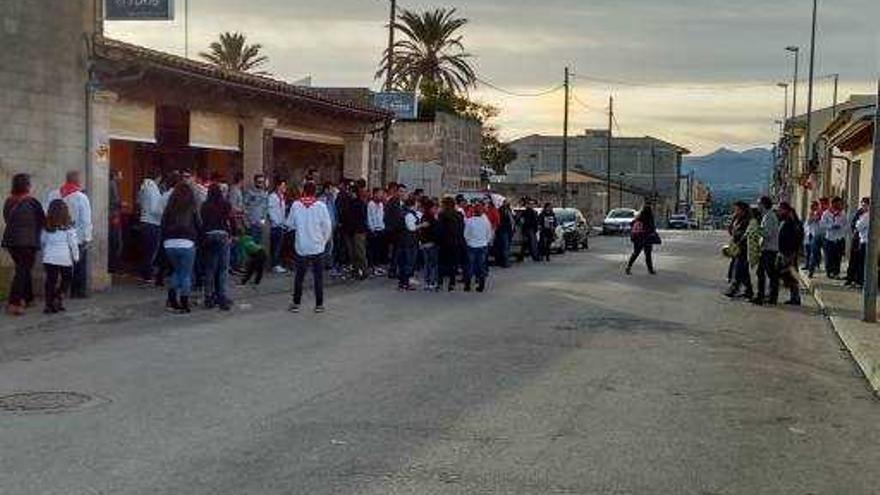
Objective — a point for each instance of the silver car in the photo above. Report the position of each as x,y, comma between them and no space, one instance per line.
619,221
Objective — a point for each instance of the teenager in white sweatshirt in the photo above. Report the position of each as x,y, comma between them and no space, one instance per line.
60,252
152,205
478,235
310,219
81,214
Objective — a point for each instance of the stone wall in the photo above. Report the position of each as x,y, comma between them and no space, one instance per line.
42,92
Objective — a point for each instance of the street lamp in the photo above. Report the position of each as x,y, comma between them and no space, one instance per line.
796,51
810,152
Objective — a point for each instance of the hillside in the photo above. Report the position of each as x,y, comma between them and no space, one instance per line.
731,174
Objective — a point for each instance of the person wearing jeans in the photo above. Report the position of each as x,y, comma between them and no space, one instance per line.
277,209
216,221
181,254
478,235
310,219
180,230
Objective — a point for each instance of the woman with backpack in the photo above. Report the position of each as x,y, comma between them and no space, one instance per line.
24,219
644,237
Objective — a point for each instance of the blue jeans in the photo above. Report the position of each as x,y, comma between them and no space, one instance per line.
814,253
277,242
182,260
476,266
216,266
406,263
431,255
150,239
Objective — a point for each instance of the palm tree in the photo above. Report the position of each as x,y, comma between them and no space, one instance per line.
233,53
431,52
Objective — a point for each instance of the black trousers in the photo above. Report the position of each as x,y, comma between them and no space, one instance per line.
57,283
303,263
22,290
256,264
638,248
767,270
80,281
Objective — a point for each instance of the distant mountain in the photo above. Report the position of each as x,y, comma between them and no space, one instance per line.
732,174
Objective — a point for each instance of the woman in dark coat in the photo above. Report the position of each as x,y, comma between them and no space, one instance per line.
450,233
24,219
644,237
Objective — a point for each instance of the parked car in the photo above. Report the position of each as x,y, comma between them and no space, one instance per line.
619,221
575,229
679,222
557,246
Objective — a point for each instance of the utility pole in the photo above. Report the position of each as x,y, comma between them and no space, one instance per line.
186,28
389,83
807,138
797,56
608,156
565,145
869,303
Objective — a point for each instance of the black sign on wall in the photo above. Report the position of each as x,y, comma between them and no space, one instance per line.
139,10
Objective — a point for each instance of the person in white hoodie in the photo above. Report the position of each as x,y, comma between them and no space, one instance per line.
478,235
152,205
277,210
60,252
310,219
81,214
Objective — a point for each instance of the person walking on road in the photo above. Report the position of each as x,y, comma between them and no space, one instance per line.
743,248
310,220
767,268
547,224
791,236
644,237
60,252
24,218
180,231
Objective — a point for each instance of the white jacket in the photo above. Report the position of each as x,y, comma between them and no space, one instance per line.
863,226
60,248
375,216
312,225
277,207
478,231
80,212
835,226
151,202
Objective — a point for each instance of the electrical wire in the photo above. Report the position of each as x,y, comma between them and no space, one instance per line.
520,95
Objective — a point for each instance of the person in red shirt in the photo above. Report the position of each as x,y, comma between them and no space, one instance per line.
493,214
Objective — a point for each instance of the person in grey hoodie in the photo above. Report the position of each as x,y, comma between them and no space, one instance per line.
767,268
152,204
256,207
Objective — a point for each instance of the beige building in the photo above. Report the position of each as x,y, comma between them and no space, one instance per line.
449,142
847,152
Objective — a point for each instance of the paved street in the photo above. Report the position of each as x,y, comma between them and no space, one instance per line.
564,378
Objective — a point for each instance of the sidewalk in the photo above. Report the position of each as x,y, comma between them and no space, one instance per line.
843,306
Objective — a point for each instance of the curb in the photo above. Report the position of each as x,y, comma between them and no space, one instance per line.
855,336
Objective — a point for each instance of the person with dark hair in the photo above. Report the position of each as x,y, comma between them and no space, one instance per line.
254,257
450,235
429,239
813,238
151,208
180,230
217,230
504,235
60,252
376,246
746,252
81,212
256,207
114,222
643,237
791,236
310,220
834,224
767,268
277,211
547,224
24,219
394,227
407,245
528,220
355,232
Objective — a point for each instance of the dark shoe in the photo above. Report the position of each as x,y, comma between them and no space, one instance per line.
628,270
209,303
225,306
184,305
793,302
451,287
652,272
172,303
49,310
747,295
757,301
733,293
481,286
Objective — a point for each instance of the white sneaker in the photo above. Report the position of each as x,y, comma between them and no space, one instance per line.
279,269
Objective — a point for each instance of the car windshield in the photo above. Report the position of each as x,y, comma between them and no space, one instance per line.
622,214
565,216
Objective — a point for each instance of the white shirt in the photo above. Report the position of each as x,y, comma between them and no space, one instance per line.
863,225
376,216
60,248
312,225
152,203
834,225
80,212
478,231
178,244
411,220
277,207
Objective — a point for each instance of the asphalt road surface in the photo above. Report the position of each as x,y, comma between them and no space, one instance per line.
567,377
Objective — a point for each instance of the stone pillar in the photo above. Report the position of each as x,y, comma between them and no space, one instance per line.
97,186
258,150
356,161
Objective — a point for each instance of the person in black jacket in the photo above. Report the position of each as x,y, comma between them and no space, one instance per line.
504,235
394,223
643,237
547,224
528,220
180,231
450,240
216,232
354,226
24,219
791,237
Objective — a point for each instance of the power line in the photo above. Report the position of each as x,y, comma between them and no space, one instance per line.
703,87
517,94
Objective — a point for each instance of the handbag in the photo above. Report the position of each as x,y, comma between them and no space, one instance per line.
654,239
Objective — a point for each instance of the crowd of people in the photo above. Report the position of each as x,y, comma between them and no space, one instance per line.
766,244
194,233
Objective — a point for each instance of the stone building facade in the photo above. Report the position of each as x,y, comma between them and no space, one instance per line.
449,141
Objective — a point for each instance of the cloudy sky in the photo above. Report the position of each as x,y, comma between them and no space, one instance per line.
700,73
